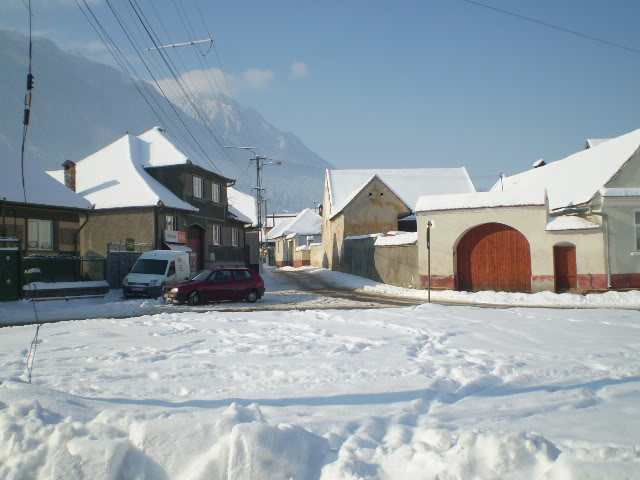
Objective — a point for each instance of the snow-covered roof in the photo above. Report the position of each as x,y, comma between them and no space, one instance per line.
575,179
406,238
307,222
566,222
407,183
276,219
594,142
40,188
515,198
114,177
620,192
243,206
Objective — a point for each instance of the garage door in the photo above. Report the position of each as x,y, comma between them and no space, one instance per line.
495,257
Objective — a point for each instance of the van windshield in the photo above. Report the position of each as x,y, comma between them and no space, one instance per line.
150,267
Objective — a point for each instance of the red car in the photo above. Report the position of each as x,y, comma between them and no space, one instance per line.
217,284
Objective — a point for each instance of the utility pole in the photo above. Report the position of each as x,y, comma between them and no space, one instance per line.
260,202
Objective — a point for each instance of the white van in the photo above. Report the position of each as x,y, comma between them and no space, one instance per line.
154,270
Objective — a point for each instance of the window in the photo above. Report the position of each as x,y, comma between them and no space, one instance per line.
637,219
242,275
217,235
235,237
172,269
221,276
216,192
171,223
40,235
198,186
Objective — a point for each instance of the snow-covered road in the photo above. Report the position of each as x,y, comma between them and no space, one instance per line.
421,392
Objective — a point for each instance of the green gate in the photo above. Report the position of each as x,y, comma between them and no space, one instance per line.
9,274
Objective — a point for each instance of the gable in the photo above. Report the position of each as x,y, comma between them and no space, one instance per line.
628,176
374,195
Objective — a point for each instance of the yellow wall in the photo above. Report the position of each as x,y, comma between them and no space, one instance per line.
115,226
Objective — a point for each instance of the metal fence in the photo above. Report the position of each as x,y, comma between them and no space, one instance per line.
62,268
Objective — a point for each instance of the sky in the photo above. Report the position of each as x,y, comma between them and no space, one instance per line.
433,83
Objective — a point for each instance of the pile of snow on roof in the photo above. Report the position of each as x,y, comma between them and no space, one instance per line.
570,223
519,198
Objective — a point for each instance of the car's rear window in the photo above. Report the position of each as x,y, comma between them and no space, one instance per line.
242,275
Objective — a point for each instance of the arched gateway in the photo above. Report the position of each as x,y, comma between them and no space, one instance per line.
495,257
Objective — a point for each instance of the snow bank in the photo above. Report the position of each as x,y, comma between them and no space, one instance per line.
542,299
302,248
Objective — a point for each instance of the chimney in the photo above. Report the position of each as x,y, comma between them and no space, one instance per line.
539,163
70,174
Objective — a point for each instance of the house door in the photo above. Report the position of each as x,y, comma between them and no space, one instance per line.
195,240
495,257
564,267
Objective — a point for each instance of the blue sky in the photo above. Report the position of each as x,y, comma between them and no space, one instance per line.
407,83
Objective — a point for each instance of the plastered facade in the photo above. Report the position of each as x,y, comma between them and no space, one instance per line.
450,226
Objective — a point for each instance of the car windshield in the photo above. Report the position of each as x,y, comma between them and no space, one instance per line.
150,267
201,276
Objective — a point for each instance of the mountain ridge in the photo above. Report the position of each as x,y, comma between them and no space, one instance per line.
80,106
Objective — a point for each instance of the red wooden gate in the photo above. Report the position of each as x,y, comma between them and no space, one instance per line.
495,257
564,267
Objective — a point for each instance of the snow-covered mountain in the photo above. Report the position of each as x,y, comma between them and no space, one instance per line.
80,106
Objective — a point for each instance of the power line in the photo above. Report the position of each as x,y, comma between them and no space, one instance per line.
171,66
557,27
121,59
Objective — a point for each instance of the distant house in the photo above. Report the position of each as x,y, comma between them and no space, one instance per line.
368,201
570,225
144,188
46,220
244,207
302,230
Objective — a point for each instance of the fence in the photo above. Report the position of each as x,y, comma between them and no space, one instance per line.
393,265
62,268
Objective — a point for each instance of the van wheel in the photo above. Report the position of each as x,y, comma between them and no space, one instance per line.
252,296
194,298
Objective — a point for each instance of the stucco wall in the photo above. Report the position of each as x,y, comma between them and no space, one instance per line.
317,255
393,265
624,256
301,258
449,227
116,226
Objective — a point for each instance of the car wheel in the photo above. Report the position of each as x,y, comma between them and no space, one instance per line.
194,298
252,296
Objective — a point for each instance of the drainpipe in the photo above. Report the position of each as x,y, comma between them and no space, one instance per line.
75,236
605,222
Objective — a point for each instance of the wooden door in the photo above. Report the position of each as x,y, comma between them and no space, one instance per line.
564,267
195,240
494,257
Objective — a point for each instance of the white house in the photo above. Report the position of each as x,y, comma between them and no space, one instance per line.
302,230
569,225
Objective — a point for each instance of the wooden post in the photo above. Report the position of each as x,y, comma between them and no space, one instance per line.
429,260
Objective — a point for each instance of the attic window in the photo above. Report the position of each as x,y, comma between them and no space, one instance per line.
370,195
382,194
